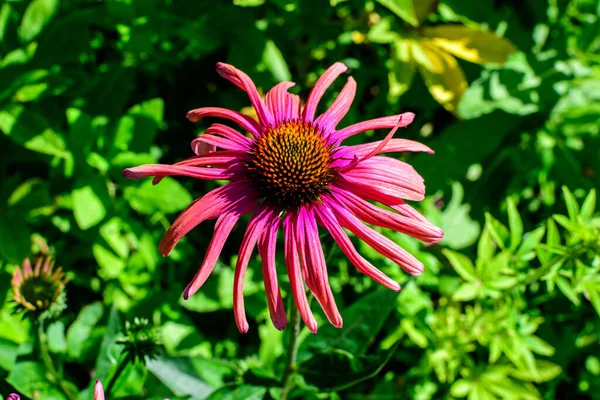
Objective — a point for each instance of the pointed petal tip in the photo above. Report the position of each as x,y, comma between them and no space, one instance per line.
243,327
338,324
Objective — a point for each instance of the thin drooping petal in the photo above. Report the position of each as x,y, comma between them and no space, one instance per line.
378,123
295,274
376,240
396,204
221,136
388,176
338,110
283,105
207,143
328,220
358,159
162,170
17,277
221,159
317,267
374,215
98,391
223,227
266,249
315,95
210,206
345,153
242,120
255,227
243,81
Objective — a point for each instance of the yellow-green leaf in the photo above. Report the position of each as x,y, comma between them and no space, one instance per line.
405,9
470,44
442,75
402,68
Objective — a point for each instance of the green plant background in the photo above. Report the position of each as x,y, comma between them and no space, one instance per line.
508,305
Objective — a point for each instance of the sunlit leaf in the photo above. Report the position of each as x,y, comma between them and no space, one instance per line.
443,76
405,9
476,46
402,68
37,15
461,264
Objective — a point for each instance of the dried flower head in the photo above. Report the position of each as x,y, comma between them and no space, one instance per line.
39,290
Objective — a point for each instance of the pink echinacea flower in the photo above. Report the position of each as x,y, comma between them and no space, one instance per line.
292,174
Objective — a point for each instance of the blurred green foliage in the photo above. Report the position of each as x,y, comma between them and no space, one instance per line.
508,306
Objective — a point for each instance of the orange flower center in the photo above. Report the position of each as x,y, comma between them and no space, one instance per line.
291,164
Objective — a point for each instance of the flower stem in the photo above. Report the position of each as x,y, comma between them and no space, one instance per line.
49,364
120,368
292,351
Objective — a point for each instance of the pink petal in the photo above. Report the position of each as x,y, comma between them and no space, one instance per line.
242,120
266,249
201,147
98,391
319,89
328,220
338,110
13,396
210,206
376,240
344,153
27,268
379,123
283,105
255,226
17,278
317,267
243,81
223,227
230,133
388,176
374,215
295,274
370,193
162,170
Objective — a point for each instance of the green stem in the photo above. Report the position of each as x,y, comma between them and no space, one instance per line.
49,364
120,368
292,352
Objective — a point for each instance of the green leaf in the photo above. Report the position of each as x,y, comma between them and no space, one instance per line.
111,266
37,15
515,224
539,346
497,230
461,264
589,205
15,243
246,392
593,291
531,241
88,208
180,376
109,350
338,370
553,238
461,388
567,290
248,3
442,74
414,334
56,337
546,371
367,315
8,354
466,292
572,206
403,8
81,329
473,45
169,196
402,68
275,63
29,379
